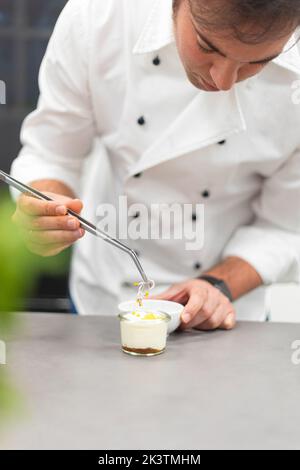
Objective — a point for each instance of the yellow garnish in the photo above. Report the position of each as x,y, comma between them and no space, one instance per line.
151,316
141,293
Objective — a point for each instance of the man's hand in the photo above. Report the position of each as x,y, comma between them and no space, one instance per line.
206,308
45,225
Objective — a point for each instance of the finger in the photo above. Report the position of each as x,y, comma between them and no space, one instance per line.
66,223
75,204
45,222
215,320
230,322
209,307
212,302
194,307
36,207
205,315
53,236
59,205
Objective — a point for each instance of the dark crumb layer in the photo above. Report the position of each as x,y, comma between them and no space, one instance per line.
142,351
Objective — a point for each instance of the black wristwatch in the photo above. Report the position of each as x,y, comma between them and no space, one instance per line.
218,284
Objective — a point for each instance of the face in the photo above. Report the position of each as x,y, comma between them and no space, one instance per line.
215,61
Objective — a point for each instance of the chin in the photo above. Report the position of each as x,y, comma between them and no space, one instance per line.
195,82
198,83
201,86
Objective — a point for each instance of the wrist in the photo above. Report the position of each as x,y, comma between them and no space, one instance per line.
219,284
238,275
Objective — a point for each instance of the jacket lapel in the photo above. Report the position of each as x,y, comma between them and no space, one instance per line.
207,119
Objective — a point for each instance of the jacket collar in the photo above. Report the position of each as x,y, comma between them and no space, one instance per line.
205,119
290,59
158,30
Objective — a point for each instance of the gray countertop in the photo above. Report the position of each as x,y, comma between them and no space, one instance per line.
219,390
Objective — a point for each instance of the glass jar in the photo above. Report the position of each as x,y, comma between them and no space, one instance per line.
144,332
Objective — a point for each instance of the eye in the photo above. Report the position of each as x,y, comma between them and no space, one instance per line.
204,49
260,64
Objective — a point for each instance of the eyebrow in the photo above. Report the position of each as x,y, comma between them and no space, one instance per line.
215,49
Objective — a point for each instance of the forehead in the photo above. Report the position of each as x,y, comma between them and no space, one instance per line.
245,21
247,43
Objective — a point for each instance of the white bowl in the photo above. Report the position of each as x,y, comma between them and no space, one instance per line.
172,308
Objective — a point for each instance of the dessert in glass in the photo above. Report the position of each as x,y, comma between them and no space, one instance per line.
144,332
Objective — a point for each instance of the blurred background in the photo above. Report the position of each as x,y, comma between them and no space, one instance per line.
25,28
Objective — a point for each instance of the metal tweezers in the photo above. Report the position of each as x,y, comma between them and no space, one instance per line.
88,226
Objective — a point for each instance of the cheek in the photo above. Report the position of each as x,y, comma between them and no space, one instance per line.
191,56
249,71
188,50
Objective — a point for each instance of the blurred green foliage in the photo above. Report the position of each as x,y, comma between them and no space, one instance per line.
19,271
10,397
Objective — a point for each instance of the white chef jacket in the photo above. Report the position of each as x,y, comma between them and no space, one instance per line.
237,152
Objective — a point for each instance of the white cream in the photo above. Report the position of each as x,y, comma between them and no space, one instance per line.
140,333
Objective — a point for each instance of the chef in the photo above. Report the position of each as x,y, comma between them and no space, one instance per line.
161,102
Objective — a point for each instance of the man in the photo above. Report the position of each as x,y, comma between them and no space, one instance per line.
190,102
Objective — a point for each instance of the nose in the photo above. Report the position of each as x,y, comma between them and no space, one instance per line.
224,74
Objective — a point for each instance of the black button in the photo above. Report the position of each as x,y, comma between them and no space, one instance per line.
136,215
156,61
194,217
126,284
138,175
222,142
206,194
197,266
141,121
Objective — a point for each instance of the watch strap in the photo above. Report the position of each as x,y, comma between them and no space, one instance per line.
218,284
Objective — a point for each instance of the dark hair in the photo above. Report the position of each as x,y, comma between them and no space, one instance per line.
251,21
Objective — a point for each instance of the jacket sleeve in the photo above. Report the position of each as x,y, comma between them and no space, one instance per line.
272,243
59,133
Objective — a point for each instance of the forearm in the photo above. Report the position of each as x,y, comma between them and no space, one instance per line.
53,186
239,276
